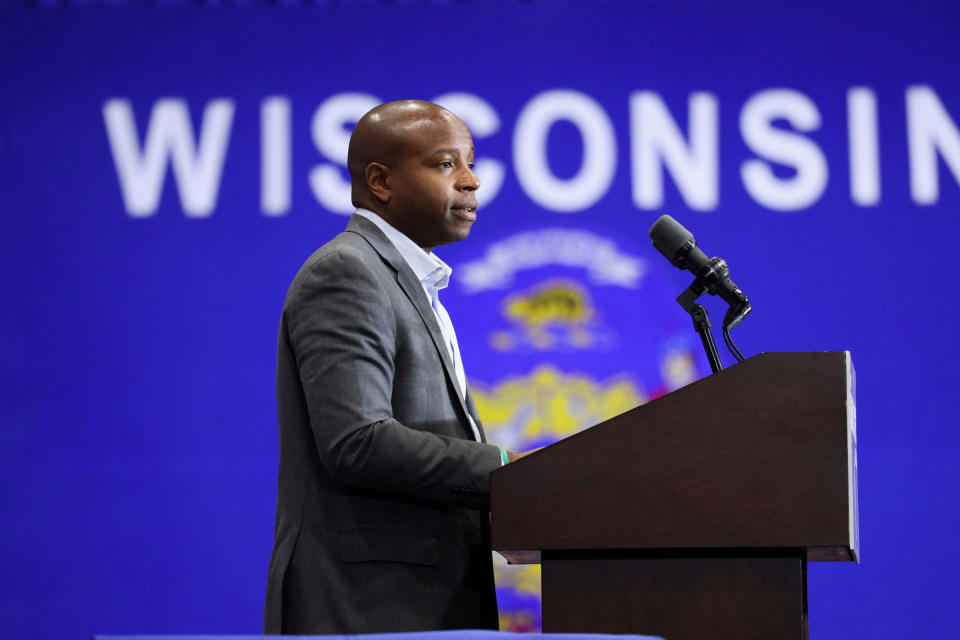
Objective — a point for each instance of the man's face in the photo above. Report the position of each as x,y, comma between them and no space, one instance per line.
432,185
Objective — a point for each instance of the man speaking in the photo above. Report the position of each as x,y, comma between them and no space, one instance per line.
383,498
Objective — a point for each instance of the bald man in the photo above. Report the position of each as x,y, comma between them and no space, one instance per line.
382,510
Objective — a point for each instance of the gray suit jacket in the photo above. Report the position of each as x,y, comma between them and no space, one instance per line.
383,495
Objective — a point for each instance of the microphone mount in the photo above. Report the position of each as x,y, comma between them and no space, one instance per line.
701,321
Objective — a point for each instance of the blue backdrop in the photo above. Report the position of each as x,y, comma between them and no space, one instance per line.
165,171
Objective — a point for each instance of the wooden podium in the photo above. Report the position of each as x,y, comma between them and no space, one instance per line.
693,516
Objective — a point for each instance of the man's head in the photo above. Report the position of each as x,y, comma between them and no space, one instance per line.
411,162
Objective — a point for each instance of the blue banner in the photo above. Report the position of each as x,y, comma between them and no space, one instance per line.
165,171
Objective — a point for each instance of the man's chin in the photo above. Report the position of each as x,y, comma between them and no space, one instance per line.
465,230
457,232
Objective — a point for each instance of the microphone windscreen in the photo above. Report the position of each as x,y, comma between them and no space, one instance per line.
671,239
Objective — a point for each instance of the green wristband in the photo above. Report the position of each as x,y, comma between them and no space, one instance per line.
504,458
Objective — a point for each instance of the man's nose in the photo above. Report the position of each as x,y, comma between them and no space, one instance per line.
469,180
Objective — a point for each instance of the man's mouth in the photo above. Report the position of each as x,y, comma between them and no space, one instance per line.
465,212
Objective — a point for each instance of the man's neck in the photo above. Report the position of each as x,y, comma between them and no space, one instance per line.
386,218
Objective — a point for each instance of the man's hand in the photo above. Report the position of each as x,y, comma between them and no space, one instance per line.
513,456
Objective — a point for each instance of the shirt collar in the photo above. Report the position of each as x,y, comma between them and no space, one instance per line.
431,271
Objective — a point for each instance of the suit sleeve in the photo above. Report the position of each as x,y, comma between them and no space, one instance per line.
342,330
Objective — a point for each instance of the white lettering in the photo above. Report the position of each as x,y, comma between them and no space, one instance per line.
196,170
275,156
929,130
756,127
655,141
530,150
864,146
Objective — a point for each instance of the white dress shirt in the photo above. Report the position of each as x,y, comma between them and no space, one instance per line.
434,275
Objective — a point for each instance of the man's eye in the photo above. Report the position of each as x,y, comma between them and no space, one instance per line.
471,165
446,164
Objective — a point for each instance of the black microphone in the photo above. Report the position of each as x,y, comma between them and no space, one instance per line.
679,247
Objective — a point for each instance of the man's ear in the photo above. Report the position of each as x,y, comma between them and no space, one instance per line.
377,176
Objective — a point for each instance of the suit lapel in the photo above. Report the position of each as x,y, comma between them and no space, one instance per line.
414,291
475,414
